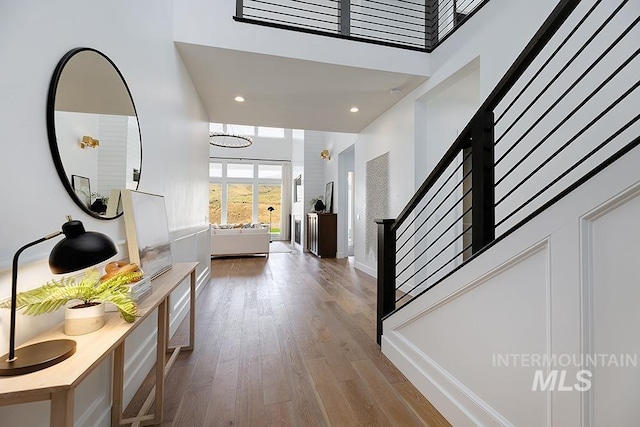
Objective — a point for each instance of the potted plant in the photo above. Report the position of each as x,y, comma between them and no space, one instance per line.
317,205
99,203
90,293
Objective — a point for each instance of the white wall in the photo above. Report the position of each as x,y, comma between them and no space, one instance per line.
394,133
336,143
138,37
313,182
297,169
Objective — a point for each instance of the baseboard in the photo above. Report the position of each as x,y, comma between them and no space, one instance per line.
365,268
459,405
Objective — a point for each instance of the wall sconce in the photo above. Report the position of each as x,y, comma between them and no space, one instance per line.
325,155
87,141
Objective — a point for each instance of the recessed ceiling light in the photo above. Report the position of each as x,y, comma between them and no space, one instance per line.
354,109
239,99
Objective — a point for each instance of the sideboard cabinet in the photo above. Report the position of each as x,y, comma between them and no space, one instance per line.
322,230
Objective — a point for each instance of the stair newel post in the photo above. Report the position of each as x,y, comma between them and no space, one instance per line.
431,24
483,217
239,8
344,17
386,271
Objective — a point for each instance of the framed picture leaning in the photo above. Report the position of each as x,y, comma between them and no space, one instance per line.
328,198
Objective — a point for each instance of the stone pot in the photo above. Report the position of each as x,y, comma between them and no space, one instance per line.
84,318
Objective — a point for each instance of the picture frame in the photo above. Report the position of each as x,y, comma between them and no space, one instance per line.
297,189
82,188
146,227
328,198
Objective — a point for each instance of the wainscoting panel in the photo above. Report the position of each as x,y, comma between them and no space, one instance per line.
611,286
479,319
540,329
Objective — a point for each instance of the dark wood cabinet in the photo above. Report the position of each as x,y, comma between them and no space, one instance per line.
322,230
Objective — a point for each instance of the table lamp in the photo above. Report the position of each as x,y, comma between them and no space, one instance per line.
79,249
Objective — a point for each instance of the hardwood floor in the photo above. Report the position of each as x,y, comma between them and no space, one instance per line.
288,340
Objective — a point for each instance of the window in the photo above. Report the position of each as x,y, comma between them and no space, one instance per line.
215,170
266,132
270,196
216,127
239,170
243,192
245,130
239,203
215,203
270,171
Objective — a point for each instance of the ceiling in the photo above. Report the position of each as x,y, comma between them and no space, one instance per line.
290,93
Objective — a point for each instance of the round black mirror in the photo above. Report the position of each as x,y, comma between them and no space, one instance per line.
94,134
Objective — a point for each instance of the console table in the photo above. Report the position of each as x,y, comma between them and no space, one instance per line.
58,383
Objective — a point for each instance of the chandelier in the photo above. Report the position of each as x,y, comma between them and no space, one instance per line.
229,139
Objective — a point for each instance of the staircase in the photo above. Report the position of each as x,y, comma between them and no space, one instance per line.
518,242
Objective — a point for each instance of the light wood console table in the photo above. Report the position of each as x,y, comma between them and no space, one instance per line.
58,383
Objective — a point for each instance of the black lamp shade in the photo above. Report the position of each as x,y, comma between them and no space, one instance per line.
79,249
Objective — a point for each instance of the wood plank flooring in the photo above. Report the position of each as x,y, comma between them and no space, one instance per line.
287,340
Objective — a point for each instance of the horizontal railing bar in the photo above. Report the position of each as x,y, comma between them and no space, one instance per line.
353,18
421,19
355,12
461,142
438,222
433,242
435,209
589,175
465,158
421,32
390,5
291,24
571,140
544,65
387,32
562,70
574,111
297,1
435,272
297,16
448,262
446,11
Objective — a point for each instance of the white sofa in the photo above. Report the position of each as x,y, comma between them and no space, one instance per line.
239,241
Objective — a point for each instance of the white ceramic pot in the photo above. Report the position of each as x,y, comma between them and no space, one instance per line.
79,321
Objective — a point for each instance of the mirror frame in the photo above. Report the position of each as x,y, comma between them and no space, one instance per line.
51,128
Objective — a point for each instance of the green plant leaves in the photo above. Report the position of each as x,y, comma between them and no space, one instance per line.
57,294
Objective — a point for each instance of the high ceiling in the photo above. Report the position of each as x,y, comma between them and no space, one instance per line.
290,93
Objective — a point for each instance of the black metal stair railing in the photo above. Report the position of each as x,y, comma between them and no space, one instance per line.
565,110
410,24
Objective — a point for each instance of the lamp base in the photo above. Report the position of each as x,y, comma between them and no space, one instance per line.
37,356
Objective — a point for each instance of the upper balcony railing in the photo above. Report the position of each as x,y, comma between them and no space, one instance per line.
410,24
